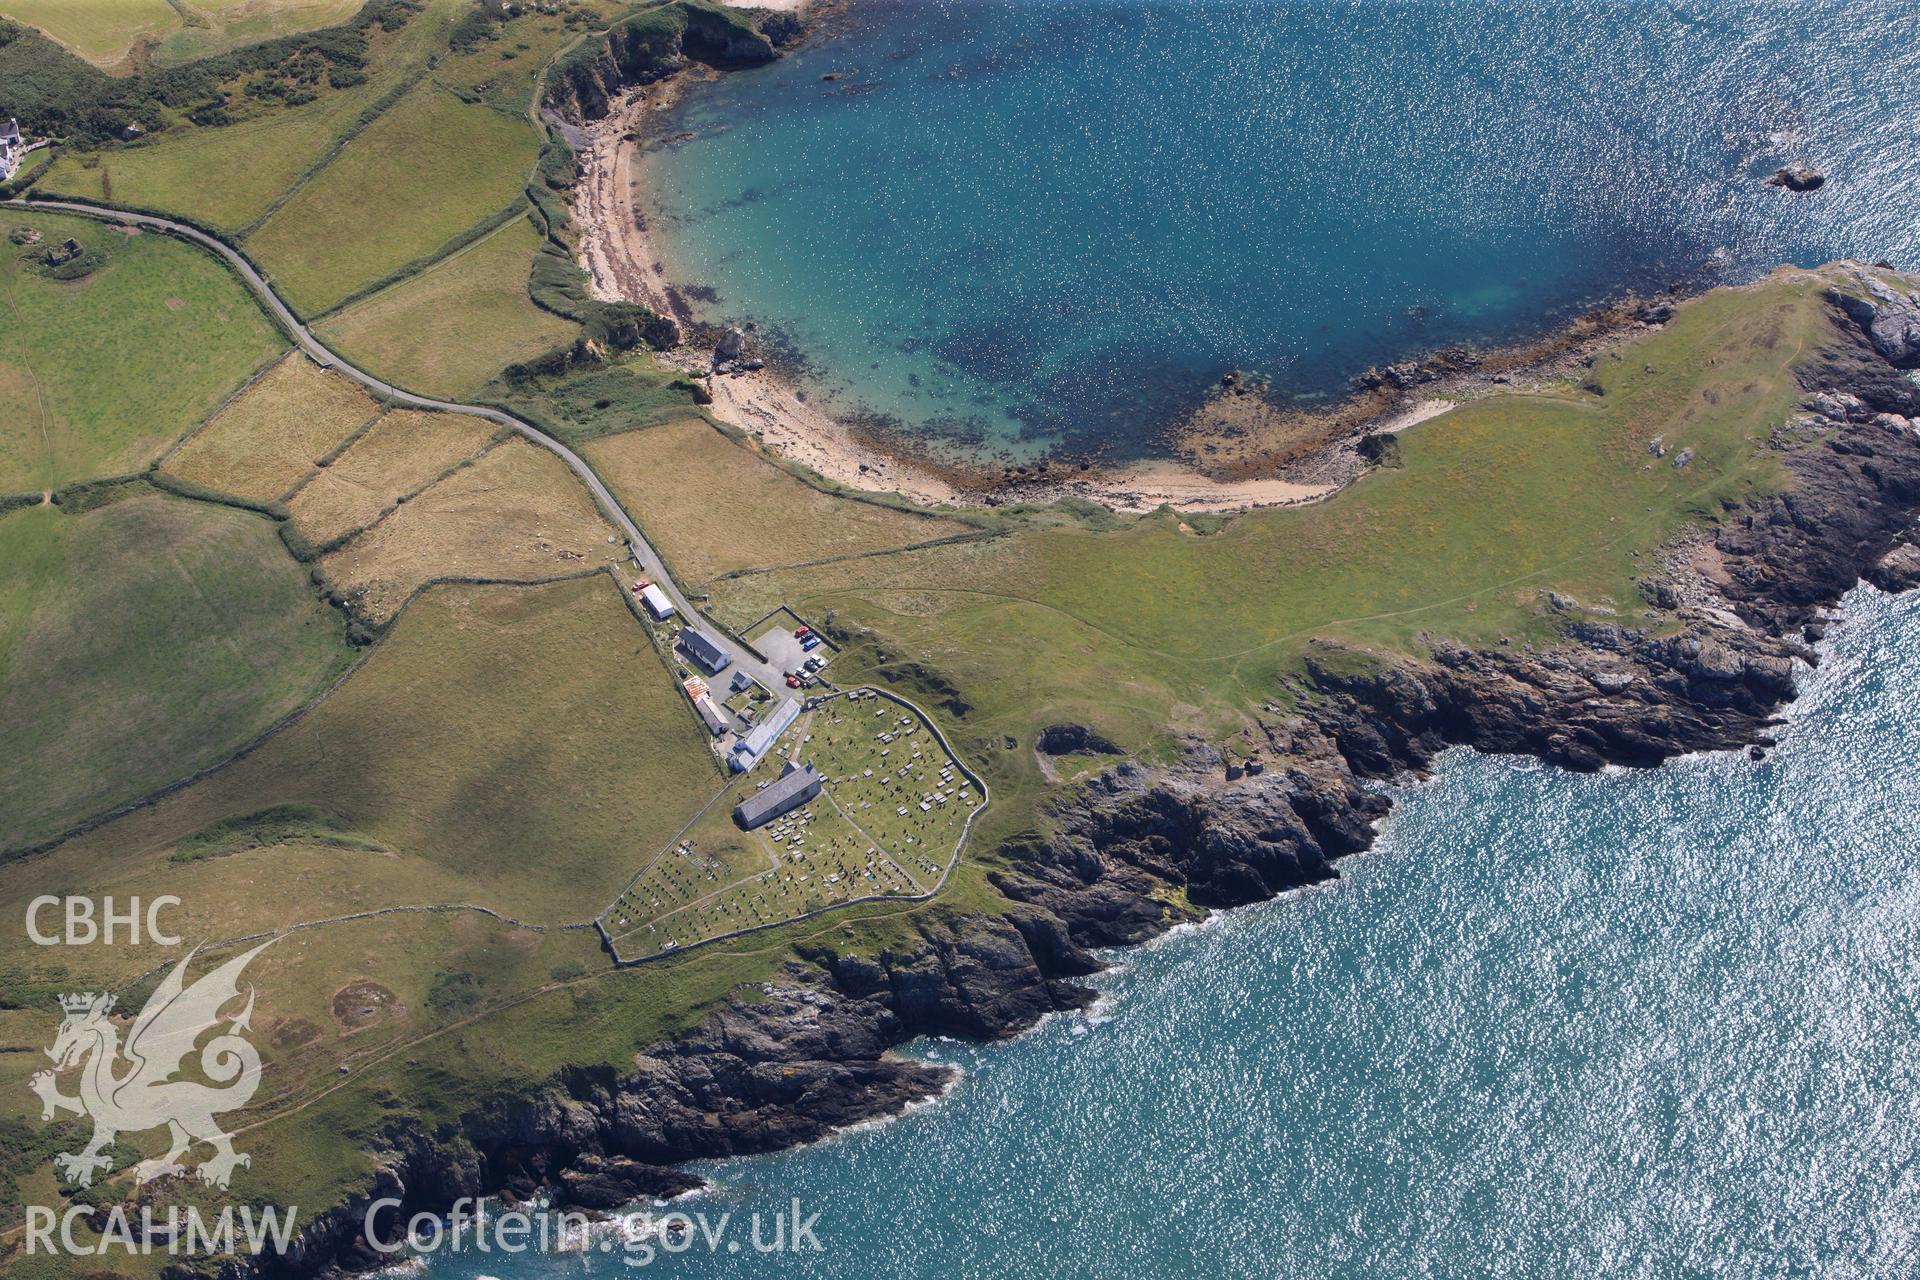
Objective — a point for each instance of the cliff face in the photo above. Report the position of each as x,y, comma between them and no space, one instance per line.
648,47
1610,694
806,1059
811,1056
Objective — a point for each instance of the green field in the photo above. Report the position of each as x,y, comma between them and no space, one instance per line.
713,508
139,642
213,26
514,514
257,160
448,330
1154,626
402,453
231,175
103,32
97,375
429,169
270,437
523,742
107,32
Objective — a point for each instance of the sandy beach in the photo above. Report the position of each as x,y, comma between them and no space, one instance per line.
777,415
624,264
614,248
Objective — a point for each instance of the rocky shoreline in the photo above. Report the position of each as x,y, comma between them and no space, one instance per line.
812,1055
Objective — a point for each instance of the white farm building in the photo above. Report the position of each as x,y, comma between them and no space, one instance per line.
658,607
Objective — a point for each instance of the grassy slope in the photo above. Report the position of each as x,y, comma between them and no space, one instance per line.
92,375
592,401
220,25
432,167
1496,503
448,330
103,32
258,160
524,741
270,437
139,642
713,508
518,746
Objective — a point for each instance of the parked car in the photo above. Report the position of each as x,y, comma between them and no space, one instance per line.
793,681
802,630
810,643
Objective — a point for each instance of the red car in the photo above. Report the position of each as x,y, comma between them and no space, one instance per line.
802,630
793,681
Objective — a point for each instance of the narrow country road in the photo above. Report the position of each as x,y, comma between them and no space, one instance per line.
649,559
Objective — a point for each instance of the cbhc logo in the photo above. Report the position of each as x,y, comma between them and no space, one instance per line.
87,922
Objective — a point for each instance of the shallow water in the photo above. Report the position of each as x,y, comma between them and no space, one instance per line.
1657,1023
1019,222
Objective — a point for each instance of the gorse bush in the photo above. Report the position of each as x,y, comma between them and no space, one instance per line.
53,91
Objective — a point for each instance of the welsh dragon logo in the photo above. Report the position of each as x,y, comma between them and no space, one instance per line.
146,1092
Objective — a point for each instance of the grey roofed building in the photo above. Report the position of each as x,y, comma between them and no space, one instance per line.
716,723
747,751
741,682
10,131
794,788
702,649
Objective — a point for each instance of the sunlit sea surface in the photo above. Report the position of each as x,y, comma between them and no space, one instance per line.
1019,223
1660,1023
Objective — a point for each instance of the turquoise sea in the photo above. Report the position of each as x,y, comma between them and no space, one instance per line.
1661,1023
1014,224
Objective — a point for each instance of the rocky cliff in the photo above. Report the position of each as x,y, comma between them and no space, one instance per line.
1111,864
650,46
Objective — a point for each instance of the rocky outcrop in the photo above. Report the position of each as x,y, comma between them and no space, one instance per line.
1067,739
1890,317
807,1057
1138,849
647,47
1798,176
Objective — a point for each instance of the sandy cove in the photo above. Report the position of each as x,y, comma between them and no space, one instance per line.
614,248
623,264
